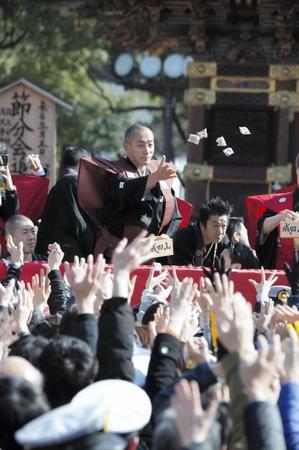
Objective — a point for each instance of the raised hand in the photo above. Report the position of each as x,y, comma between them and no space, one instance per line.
161,318
181,305
153,281
258,372
220,266
262,322
41,289
127,257
16,251
6,293
198,350
286,313
218,295
55,256
263,287
104,291
7,335
236,327
22,312
84,279
7,176
290,349
164,172
192,421
34,163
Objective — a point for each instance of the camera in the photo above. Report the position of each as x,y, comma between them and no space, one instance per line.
3,154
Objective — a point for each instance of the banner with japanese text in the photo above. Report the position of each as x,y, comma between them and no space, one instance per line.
28,125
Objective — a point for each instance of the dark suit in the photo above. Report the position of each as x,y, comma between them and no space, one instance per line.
189,248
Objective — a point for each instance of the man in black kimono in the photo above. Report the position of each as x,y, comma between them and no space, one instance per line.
63,220
200,243
131,194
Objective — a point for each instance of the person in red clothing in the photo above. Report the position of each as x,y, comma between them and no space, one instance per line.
271,250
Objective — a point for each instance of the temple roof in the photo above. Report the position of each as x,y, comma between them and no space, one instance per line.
233,31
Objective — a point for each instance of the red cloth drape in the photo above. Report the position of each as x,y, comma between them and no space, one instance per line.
239,277
32,192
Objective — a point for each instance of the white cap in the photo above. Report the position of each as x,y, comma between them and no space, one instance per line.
127,407
114,406
62,425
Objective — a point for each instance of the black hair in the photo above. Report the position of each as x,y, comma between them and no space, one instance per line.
20,402
150,313
13,222
29,347
134,129
71,155
214,207
68,365
235,224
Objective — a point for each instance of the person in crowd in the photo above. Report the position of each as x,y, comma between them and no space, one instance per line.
135,192
241,254
63,220
9,201
200,243
260,373
21,235
20,402
273,251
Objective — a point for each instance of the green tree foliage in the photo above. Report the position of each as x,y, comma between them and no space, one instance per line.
50,52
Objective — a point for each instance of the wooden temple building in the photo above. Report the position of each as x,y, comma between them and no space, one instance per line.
245,72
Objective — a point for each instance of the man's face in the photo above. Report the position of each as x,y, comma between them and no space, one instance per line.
215,228
242,235
140,147
297,174
26,232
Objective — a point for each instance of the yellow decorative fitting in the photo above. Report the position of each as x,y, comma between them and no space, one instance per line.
284,72
201,69
279,174
199,96
197,172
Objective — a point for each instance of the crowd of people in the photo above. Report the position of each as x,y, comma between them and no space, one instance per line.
192,365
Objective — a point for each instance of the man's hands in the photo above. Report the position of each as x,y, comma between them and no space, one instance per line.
263,320
192,421
41,290
263,287
127,257
16,251
7,176
84,278
34,163
181,306
290,350
164,172
6,293
55,256
258,374
22,312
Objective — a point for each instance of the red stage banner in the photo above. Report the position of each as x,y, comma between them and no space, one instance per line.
239,277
